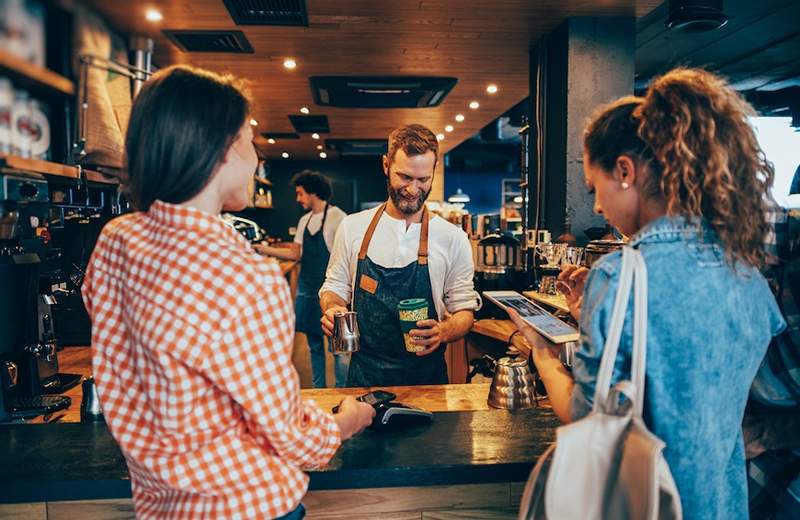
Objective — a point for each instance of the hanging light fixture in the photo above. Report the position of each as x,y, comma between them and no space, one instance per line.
458,196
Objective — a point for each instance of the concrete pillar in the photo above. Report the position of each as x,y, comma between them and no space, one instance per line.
586,62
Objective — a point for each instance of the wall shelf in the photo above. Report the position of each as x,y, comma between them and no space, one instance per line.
38,79
37,166
51,168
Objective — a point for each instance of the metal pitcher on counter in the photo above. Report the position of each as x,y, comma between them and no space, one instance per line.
90,403
512,385
345,333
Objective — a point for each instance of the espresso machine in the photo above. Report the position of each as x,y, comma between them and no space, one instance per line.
498,266
28,347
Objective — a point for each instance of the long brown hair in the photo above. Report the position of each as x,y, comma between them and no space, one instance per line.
691,132
182,123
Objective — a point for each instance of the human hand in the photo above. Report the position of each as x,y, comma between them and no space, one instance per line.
353,416
571,282
534,339
327,318
429,334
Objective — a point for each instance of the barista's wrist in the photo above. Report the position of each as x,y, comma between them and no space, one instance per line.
445,330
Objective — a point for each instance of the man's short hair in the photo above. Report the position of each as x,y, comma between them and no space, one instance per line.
314,182
413,140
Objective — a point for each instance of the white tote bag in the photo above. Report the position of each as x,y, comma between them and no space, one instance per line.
608,465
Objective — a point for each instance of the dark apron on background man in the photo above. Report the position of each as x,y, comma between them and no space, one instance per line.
313,264
382,359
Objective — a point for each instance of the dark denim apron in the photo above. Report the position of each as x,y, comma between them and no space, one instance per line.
313,264
382,359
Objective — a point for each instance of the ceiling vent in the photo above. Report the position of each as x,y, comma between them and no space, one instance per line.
352,147
268,12
310,124
380,91
210,41
280,135
694,16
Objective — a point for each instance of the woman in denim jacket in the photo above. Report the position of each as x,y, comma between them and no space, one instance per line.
681,173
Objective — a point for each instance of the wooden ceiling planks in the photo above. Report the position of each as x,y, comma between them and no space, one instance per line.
478,42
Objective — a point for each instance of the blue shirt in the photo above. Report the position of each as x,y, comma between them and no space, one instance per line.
708,329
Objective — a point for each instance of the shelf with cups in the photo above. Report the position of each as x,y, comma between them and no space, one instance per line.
51,168
39,79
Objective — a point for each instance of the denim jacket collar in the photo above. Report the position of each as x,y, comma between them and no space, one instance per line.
670,229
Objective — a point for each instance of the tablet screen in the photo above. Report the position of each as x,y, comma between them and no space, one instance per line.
536,316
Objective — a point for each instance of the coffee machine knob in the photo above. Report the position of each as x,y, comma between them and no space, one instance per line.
35,349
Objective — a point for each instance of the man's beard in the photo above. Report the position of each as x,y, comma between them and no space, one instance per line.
406,205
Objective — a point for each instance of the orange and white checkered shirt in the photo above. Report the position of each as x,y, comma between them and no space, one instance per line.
192,336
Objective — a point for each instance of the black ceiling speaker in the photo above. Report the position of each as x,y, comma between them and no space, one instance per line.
210,41
360,147
268,12
694,16
380,91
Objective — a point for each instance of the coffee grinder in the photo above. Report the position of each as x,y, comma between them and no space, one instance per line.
28,357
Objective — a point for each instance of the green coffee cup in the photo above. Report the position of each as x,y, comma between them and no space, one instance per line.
411,311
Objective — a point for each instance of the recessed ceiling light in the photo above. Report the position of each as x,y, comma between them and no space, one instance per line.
440,137
253,122
459,117
491,89
285,155
448,128
315,136
323,154
153,16
271,140
319,147
304,110
289,63
474,105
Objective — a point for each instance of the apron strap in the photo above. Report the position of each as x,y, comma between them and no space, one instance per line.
422,255
324,218
362,254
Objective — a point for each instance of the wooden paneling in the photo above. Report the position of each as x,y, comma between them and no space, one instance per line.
478,42
35,511
464,502
118,509
386,500
508,514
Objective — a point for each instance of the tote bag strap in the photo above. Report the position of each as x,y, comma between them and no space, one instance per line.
639,357
633,268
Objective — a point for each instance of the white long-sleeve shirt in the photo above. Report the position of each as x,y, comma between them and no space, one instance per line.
392,245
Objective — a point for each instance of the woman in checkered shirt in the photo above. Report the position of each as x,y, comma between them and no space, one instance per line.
192,331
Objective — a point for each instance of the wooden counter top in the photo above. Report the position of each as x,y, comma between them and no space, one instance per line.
435,398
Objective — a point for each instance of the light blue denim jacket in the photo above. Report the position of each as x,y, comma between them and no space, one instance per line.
708,329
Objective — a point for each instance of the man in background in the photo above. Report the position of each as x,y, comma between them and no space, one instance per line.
312,244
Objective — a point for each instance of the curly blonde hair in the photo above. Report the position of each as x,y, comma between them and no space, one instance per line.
702,156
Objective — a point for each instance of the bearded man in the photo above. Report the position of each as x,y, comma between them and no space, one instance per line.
395,252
